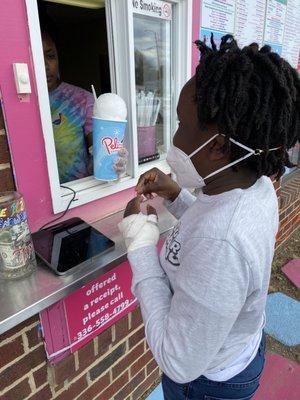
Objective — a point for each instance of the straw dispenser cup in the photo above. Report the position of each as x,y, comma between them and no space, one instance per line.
109,124
148,106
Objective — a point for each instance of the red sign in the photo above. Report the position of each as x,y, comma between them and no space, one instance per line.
72,322
98,305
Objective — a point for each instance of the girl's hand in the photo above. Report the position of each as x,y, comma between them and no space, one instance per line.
133,206
155,181
139,230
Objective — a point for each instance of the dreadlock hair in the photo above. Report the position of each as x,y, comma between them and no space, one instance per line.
253,96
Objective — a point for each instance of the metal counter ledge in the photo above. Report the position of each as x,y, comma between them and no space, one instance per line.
21,299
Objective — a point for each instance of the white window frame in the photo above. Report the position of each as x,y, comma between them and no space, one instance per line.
119,15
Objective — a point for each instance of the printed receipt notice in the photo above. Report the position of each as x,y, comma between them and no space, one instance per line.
98,305
104,301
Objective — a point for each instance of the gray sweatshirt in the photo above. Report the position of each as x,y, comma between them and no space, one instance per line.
203,297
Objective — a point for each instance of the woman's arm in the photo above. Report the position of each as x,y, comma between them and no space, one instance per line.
186,330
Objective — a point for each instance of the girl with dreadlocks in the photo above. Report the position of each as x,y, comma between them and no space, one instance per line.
203,298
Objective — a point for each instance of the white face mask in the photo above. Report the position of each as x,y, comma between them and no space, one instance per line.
187,175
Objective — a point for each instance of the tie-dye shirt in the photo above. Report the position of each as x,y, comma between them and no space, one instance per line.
71,111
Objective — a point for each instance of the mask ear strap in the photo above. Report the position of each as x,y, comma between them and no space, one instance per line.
275,148
251,152
241,145
257,152
230,165
203,145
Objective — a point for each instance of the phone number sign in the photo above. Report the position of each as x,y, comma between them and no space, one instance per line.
98,305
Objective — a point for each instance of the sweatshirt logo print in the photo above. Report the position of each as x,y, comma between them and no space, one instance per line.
173,247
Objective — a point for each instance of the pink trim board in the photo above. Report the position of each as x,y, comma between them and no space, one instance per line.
195,33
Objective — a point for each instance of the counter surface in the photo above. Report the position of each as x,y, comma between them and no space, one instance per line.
24,298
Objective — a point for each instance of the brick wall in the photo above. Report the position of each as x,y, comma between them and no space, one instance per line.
289,206
115,365
6,176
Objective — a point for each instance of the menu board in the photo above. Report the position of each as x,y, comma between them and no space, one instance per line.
217,16
272,22
249,21
291,37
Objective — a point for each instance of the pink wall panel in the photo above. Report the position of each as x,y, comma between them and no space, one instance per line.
24,127
195,33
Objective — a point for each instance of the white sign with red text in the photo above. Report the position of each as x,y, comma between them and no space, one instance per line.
155,8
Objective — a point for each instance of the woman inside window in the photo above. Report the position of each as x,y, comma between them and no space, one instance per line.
71,112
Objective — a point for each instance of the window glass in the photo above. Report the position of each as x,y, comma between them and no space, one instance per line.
152,47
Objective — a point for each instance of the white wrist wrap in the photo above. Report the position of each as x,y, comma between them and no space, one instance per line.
139,230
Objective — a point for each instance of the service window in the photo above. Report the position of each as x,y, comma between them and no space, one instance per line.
127,47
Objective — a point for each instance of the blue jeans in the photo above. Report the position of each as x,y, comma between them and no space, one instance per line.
240,387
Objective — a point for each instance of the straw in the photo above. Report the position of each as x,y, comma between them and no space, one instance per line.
150,97
148,105
95,98
156,111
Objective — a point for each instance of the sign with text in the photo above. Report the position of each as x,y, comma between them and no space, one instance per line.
156,8
272,22
99,304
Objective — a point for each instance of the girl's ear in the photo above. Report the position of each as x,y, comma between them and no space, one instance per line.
218,148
